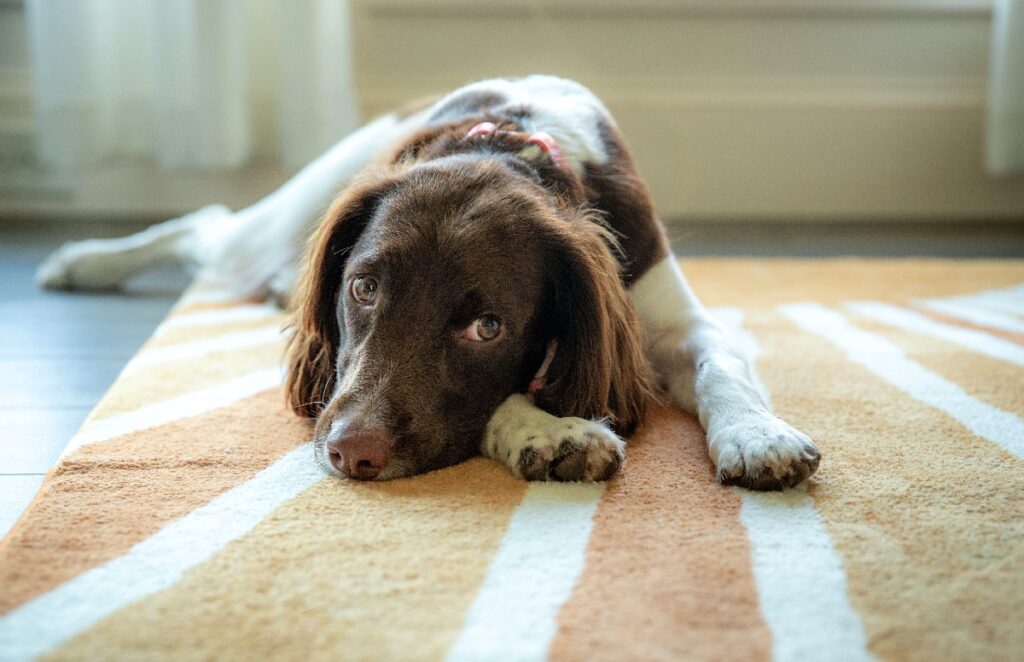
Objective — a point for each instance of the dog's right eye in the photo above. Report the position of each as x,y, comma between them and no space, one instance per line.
483,329
364,289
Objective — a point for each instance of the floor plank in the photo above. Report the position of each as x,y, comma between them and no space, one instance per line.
116,333
16,493
57,382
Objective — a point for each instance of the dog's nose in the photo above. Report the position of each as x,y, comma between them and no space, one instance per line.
358,450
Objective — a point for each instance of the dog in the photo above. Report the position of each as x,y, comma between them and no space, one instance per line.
492,278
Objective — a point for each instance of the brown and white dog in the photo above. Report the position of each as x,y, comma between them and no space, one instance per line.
492,278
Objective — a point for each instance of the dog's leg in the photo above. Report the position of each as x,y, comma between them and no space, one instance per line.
538,446
707,374
245,251
100,264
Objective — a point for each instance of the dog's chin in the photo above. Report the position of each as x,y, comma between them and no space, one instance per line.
404,468
396,469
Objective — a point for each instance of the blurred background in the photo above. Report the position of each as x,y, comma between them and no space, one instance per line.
803,127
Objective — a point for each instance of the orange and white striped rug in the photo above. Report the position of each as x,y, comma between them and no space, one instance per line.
187,519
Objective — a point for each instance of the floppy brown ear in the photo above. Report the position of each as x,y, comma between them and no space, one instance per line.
600,369
314,333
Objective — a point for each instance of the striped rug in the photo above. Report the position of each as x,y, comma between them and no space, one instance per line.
187,519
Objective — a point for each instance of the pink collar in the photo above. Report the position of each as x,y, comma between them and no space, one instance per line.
542,139
540,379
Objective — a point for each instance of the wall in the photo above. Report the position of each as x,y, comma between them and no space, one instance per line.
15,95
772,109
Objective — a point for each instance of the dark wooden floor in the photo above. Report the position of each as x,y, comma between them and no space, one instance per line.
59,352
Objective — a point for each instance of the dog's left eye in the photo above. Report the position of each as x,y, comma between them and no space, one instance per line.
364,289
487,327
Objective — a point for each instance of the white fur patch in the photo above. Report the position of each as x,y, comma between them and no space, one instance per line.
665,302
519,427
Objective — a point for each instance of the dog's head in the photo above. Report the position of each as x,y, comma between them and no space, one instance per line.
432,293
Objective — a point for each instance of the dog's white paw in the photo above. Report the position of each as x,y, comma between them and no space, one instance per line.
762,452
573,449
79,264
565,449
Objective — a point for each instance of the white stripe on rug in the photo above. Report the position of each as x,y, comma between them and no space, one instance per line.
801,585
182,406
1014,293
888,361
51,619
514,615
971,312
191,349
1000,301
202,291
203,318
976,341
1009,300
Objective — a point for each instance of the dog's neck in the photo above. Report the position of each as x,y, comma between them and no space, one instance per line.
535,155
539,144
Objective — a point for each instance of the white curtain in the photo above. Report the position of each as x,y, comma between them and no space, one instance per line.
190,83
1005,131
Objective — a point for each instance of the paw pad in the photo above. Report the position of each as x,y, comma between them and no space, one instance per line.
591,455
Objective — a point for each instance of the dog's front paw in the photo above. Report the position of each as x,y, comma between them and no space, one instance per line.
536,445
566,449
762,452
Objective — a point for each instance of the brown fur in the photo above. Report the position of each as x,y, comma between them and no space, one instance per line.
616,189
600,369
545,243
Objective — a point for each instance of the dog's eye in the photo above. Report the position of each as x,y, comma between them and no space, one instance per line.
483,329
364,289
